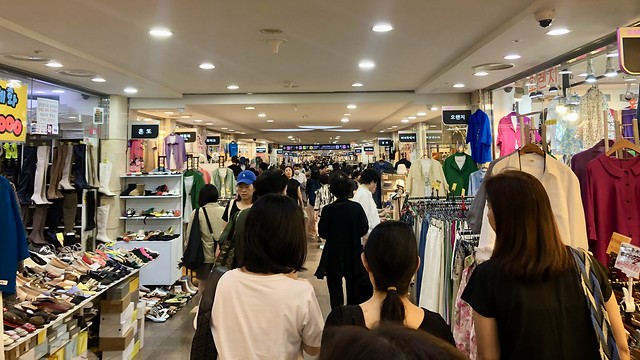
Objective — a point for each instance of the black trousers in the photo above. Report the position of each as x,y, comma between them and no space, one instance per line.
336,295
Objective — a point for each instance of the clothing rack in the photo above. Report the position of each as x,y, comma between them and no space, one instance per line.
193,162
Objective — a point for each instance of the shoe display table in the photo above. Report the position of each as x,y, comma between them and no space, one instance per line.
163,270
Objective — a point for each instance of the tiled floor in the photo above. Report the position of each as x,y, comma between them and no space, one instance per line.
172,340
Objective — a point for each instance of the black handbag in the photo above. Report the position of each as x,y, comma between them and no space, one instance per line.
203,346
193,256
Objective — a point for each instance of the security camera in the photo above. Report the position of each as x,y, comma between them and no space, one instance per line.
254,139
508,89
545,17
85,96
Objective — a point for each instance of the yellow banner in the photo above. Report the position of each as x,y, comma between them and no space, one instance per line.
13,111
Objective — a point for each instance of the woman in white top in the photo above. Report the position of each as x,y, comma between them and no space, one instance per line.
262,310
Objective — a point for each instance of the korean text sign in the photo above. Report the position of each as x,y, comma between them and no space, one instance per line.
13,111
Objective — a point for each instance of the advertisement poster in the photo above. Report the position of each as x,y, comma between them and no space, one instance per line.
13,111
46,117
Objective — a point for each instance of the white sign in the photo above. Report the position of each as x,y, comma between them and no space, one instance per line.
98,115
628,260
46,118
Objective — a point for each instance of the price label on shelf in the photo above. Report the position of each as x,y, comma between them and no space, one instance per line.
628,260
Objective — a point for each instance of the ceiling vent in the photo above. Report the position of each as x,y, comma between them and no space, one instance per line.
78,73
26,57
492,67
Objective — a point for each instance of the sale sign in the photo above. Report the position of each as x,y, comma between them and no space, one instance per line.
628,260
13,111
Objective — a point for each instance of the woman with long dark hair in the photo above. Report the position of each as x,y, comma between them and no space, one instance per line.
537,298
390,257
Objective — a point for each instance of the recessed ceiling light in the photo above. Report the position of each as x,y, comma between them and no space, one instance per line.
512,57
53,64
197,120
422,113
381,131
98,79
207,66
269,121
209,123
357,84
411,117
344,120
39,92
233,87
434,108
458,85
367,64
130,90
481,73
249,107
57,91
318,127
223,128
382,27
583,74
262,115
629,79
557,32
352,106
160,32
394,126
185,116
168,112
346,114
243,133
404,121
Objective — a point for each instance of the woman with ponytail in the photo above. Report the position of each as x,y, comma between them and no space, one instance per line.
390,257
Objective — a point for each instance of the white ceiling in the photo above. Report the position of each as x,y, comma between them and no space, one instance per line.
434,45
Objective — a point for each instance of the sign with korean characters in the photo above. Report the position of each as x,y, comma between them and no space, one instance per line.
358,150
368,150
628,260
261,150
279,151
212,140
46,117
149,131
456,117
188,136
543,80
98,115
408,137
385,142
13,111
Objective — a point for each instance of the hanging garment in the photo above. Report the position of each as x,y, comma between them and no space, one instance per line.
404,162
475,181
187,208
224,181
233,149
425,177
457,169
464,332
192,194
618,208
563,189
136,155
13,240
579,164
594,112
627,123
205,174
479,136
175,151
509,133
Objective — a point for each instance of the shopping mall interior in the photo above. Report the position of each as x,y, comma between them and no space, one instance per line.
114,114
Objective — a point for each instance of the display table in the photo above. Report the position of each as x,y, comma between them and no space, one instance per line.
163,270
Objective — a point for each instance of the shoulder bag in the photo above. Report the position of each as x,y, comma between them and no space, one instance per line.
193,256
203,346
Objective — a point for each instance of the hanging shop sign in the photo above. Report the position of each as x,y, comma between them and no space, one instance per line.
98,115
351,153
188,136
317,147
147,131
368,150
13,111
212,140
629,50
434,136
385,142
358,151
408,137
456,117
261,150
279,151
543,80
46,117
628,260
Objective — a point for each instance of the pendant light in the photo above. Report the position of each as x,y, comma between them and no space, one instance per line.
573,114
561,108
591,78
610,71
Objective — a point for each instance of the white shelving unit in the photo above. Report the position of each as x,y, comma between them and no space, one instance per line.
164,270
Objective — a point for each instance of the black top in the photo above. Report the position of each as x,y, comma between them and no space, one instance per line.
292,189
234,210
236,169
537,320
406,163
353,315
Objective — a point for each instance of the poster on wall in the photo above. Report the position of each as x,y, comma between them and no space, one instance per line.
98,115
46,117
13,111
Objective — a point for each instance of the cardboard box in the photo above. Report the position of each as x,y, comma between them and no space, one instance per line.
117,318
134,285
115,330
125,354
142,308
118,292
83,342
71,349
42,348
141,332
29,355
115,306
116,343
135,296
58,355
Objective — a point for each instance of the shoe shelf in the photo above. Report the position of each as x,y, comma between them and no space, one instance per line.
164,269
151,197
150,217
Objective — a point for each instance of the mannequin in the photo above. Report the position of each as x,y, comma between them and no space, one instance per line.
188,207
175,150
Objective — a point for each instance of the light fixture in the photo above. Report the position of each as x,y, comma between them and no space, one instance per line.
404,121
628,78
209,123
98,79
422,113
512,57
233,87
185,116
564,72
411,117
366,64
612,53
249,107
168,112
344,120
262,115
583,74
243,133
357,84
381,131
609,70
207,66
345,130
352,106
223,128
73,117
39,92
481,73
561,108
458,85
382,27
591,78
269,121
434,108
557,32
231,130
130,90
53,64
573,115
197,120
394,126
57,91
553,88
160,32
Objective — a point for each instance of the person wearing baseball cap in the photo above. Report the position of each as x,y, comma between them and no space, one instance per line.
244,195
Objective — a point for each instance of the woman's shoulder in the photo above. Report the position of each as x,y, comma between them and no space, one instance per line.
435,325
346,315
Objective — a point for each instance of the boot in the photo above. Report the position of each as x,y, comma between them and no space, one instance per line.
139,191
39,217
94,183
128,190
71,239
105,176
56,174
67,153
54,215
90,208
27,176
102,220
70,207
39,189
79,167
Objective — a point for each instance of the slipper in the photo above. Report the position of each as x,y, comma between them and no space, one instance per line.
7,340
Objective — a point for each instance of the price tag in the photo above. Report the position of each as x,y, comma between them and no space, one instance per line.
628,260
454,186
616,241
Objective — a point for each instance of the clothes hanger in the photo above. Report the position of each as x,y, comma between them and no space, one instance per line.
531,148
623,144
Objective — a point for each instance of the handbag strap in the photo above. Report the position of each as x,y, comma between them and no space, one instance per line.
206,216
200,347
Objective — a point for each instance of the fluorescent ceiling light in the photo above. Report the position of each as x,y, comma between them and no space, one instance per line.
357,84
629,79
346,114
411,117
287,130
269,121
40,92
53,64
352,106
262,115
130,90
458,85
98,79
209,123
243,133
557,32
318,127
394,126
233,87
207,66
231,130
160,32
57,91
168,112
512,57
73,117
422,113
612,54
223,128
434,108
381,131
197,120
583,74
382,27
185,116
366,64
344,130
404,121
344,120
249,107
481,73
